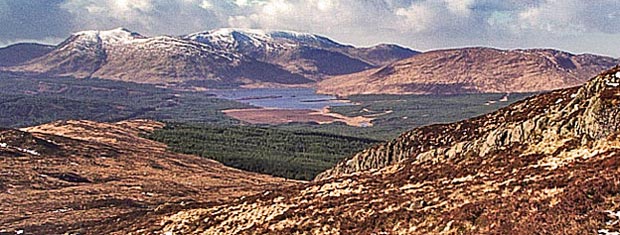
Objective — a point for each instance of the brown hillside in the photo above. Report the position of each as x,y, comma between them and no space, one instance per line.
473,70
82,177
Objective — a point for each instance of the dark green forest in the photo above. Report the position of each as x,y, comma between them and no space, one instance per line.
290,154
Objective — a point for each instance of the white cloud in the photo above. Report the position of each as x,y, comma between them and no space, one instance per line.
416,18
277,7
572,17
421,24
326,5
206,5
460,7
151,17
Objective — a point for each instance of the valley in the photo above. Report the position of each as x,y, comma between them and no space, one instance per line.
261,131
267,125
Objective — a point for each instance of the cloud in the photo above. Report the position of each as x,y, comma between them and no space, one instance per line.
32,20
421,24
573,17
152,17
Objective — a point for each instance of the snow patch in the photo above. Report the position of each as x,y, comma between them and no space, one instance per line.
115,36
28,151
613,84
232,38
607,232
559,101
3,145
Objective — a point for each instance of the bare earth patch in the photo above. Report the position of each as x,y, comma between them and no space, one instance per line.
279,116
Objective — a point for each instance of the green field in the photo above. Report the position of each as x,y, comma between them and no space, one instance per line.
291,154
407,112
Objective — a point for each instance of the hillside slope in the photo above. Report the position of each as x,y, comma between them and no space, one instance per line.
83,177
21,52
548,164
473,70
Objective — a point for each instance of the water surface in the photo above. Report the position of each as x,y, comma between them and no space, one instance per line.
282,98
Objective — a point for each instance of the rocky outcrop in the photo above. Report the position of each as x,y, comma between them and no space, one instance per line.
588,113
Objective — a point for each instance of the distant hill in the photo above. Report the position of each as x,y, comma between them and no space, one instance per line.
472,70
22,52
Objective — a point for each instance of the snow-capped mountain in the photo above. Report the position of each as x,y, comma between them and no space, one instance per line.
225,56
124,55
239,39
311,55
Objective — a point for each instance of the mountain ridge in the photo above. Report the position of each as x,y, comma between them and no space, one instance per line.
223,56
473,70
21,52
308,54
124,55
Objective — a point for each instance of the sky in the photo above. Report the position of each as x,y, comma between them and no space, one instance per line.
578,26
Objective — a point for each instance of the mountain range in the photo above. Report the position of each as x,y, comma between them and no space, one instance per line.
223,56
473,70
230,57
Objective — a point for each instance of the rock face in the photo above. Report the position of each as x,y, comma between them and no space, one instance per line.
19,53
473,70
83,177
548,164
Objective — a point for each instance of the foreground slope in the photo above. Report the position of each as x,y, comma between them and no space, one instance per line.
98,178
548,164
473,70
